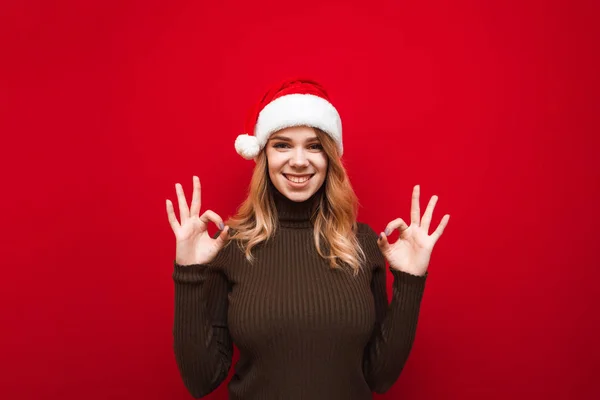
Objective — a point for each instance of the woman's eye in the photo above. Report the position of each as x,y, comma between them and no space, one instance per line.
282,145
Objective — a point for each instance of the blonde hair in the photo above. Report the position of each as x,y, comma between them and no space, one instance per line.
334,222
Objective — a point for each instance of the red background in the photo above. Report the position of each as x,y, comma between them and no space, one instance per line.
105,106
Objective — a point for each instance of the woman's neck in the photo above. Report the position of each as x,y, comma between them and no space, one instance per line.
292,214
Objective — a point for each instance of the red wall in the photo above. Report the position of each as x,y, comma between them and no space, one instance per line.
104,107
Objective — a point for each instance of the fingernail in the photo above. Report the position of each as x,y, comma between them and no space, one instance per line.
387,232
221,226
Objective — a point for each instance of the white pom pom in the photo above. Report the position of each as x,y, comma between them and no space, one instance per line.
247,146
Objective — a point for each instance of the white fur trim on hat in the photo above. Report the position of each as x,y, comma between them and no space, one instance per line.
247,146
291,110
296,110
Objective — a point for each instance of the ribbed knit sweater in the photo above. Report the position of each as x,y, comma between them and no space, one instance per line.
303,329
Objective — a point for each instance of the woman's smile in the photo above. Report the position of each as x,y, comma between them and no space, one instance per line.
298,178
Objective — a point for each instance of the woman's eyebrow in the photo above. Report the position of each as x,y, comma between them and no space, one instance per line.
279,137
287,139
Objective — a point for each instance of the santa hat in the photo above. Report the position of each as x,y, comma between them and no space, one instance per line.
293,102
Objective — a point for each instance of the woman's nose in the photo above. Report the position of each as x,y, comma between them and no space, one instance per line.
299,158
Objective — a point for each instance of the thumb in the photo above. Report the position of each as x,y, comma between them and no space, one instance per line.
222,238
383,243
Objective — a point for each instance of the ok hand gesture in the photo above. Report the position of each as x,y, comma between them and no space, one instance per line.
193,244
412,251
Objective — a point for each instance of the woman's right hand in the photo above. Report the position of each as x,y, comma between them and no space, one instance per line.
193,244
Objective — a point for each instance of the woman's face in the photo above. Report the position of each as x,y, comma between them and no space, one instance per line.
297,162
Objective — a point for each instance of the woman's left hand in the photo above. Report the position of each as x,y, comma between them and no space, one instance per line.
412,251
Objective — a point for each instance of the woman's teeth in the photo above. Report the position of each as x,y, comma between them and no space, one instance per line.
298,179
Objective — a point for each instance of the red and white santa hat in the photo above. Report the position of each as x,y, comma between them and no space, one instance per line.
293,102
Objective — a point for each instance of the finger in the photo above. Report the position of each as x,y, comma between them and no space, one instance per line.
428,214
222,238
212,216
184,212
195,207
440,229
415,212
383,243
398,223
171,215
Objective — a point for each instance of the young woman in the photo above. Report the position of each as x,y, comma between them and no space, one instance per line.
293,280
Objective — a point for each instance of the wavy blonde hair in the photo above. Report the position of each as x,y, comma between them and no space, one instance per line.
334,221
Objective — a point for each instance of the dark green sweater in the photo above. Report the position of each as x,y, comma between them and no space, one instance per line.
303,330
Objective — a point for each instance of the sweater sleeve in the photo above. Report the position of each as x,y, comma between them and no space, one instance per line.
396,323
202,344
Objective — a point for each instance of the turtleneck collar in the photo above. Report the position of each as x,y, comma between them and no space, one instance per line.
295,214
